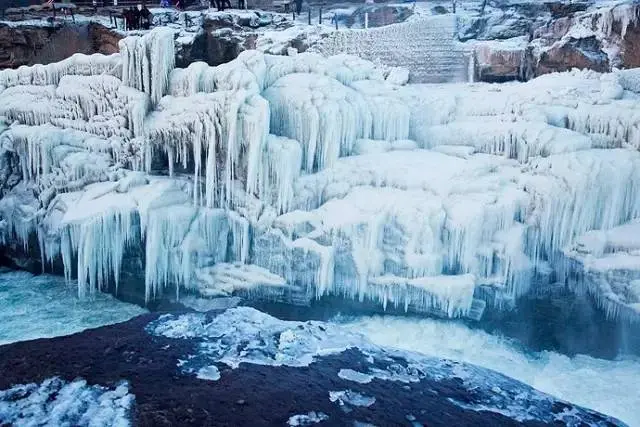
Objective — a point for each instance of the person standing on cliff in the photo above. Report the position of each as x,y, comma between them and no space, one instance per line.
145,17
127,14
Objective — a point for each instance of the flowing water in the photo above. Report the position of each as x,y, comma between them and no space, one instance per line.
608,386
46,306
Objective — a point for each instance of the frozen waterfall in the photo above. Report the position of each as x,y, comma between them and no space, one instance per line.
299,177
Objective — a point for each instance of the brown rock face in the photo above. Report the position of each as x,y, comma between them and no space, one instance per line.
571,37
104,40
28,45
584,53
496,64
630,45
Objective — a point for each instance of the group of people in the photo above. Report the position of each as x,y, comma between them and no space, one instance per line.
178,3
225,4
137,18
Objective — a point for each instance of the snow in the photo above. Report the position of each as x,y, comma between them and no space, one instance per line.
604,385
210,373
355,376
351,398
307,419
45,306
58,402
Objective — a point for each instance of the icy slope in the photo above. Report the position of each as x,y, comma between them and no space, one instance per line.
424,44
322,175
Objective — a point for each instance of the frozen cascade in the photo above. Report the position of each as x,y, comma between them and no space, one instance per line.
310,176
179,238
622,14
585,190
216,127
517,140
325,116
282,162
44,148
147,62
99,245
605,263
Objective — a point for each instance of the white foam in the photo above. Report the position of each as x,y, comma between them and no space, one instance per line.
606,386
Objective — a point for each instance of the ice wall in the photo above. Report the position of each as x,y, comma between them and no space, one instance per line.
305,176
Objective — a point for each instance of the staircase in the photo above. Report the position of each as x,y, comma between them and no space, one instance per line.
425,45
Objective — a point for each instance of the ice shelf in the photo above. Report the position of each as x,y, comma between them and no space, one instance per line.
306,176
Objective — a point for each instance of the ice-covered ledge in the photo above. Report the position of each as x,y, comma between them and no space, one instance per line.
606,264
322,176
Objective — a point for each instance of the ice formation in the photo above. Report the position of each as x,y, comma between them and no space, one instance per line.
307,419
606,263
58,402
296,177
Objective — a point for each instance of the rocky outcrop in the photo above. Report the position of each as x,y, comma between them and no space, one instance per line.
499,62
41,44
513,44
105,40
573,53
214,38
171,380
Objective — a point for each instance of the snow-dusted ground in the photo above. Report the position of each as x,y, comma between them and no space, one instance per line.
245,335
56,402
604,385
45,306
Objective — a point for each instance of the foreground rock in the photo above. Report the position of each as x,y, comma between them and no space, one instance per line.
243,366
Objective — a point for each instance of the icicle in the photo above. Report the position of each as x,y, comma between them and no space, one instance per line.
280,167
99,244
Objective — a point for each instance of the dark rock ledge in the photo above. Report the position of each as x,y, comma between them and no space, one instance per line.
441,394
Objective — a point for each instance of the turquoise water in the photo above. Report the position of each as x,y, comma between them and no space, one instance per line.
46,306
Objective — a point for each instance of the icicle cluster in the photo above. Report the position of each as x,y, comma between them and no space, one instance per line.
147,62
282,162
